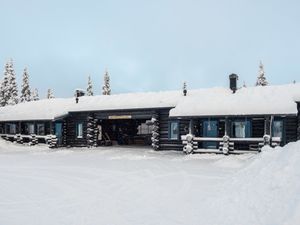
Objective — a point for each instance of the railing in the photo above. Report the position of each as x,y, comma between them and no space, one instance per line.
226,144
32,139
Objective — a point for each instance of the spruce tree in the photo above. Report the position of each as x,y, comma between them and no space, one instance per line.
35,95
12,88
1,93
261,79
50,94
5,94
106,86
89,90
25,91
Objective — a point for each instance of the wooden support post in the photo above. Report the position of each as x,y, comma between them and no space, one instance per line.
51,128
191,127
226,126
19,127
267,125
271,126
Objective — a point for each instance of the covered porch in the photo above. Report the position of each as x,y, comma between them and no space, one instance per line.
230,134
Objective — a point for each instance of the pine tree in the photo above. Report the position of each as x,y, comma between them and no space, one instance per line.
25,92
106,87
89,90
261,79
35,95
50,94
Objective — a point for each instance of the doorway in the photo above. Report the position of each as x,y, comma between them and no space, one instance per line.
210,129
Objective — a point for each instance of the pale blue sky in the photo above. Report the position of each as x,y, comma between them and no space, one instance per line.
150,45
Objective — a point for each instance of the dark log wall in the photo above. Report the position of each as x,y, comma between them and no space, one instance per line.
298,129
258,127
71,122
164,142
291,126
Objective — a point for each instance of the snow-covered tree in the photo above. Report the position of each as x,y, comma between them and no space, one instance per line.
106,86
9,90
35,95
12,85
89,90
50,94
25,91
1,93
184,89
261,79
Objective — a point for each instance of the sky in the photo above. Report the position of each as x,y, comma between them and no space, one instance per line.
150,45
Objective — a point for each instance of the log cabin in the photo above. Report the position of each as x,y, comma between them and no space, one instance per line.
224,120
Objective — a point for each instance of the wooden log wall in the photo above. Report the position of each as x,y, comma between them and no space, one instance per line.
164,142
291,127
71,123
298,122
258,127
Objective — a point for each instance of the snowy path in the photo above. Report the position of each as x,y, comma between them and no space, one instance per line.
139,186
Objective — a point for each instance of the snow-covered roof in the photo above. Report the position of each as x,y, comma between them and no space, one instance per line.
49,109
147,100
46,109
268,100
275,100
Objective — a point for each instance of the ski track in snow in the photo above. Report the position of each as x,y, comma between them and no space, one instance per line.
140,186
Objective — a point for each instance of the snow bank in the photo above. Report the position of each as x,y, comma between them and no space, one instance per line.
246,101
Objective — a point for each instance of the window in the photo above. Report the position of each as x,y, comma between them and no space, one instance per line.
30,128
241,129
145,129
12,128
40,129
174,130
79,130
277,129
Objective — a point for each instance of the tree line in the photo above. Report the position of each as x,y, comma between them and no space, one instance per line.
9,94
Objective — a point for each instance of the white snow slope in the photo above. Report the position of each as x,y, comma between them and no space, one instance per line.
124,186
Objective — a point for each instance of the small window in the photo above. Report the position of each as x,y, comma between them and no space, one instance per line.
79,130
174,130
277,130
40,129
241,129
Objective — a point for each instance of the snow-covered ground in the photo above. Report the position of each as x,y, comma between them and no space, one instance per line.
112,186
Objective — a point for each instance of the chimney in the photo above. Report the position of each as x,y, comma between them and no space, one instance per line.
79,93
233,78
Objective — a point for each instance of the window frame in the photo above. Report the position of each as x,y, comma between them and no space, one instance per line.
283,129
248,130
37,129
10,126
28,125
78,132
170,130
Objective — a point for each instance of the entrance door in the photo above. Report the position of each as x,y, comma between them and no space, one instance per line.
210,129
58,132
